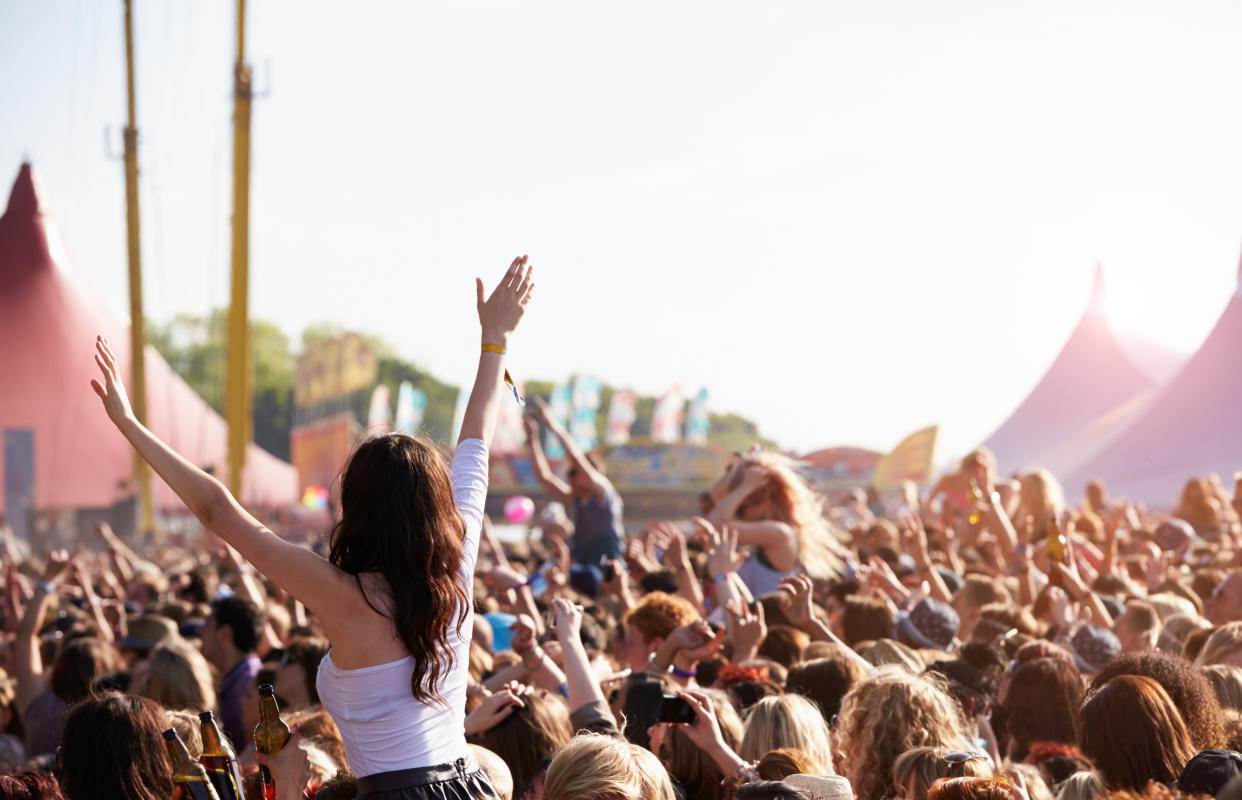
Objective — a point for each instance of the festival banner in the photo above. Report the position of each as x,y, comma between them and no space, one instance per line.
697,422
559,407
912,460
411,406
667,417
621,416
379,417
585,398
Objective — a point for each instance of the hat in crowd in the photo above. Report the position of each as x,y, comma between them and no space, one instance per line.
821,787
1173,534
930,624
1093,647
1112,604
886,651
951,579
1209,771
146,631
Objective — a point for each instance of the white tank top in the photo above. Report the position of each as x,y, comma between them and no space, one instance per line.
382,726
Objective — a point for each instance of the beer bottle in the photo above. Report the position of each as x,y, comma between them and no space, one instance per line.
219,760
976,497
188,774
270,735
1054,547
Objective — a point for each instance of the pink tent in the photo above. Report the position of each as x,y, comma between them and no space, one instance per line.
1086,398
1193,428
48,322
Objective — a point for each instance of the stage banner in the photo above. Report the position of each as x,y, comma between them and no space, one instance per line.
559,407
698,424
411,406
319,451
911,460
585,399
333,367
667,417
621,416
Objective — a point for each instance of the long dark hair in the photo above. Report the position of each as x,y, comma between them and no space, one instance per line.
398,519
113,748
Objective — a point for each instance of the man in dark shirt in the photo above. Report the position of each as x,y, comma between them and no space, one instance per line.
231,636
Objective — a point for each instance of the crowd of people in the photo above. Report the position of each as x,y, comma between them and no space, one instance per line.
987,640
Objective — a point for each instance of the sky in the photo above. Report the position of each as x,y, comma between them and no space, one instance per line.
848,221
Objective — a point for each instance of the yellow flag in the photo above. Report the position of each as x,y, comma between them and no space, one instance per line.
910,461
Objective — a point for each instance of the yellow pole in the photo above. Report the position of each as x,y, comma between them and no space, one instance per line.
239,372
137,335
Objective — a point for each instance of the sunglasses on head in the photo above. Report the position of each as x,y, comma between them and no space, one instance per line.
957,762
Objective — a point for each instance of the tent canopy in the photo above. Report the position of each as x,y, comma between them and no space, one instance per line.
1192,428
48,320
1092,391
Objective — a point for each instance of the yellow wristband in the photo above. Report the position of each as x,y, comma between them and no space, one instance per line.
494,348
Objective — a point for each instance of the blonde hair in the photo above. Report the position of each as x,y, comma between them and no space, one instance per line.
886,714
794,503
1168,604
188,727
926,765
603,768
1224,641
788,720
178,676
1039,496
1226,681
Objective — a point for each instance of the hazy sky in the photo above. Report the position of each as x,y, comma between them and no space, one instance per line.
847,220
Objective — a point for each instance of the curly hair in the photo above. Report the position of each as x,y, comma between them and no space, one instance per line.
658,614
886,714
1189,688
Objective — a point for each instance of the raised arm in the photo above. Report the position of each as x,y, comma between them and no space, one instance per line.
499,316
326,590
572,451
557,488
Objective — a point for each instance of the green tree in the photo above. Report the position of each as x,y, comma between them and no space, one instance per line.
195,347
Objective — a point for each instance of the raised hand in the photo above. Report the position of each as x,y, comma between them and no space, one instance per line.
746,629
568,619
57,564
523,634
111,390
705,731
723,557
796,599
500,314
493,709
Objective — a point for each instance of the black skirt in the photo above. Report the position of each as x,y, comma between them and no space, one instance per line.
461,780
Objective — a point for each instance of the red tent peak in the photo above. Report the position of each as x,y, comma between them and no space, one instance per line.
24,198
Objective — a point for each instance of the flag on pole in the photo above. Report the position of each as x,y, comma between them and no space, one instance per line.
912,460
559,407
411,406
621,415
667,417
379,417
585,398
697,422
